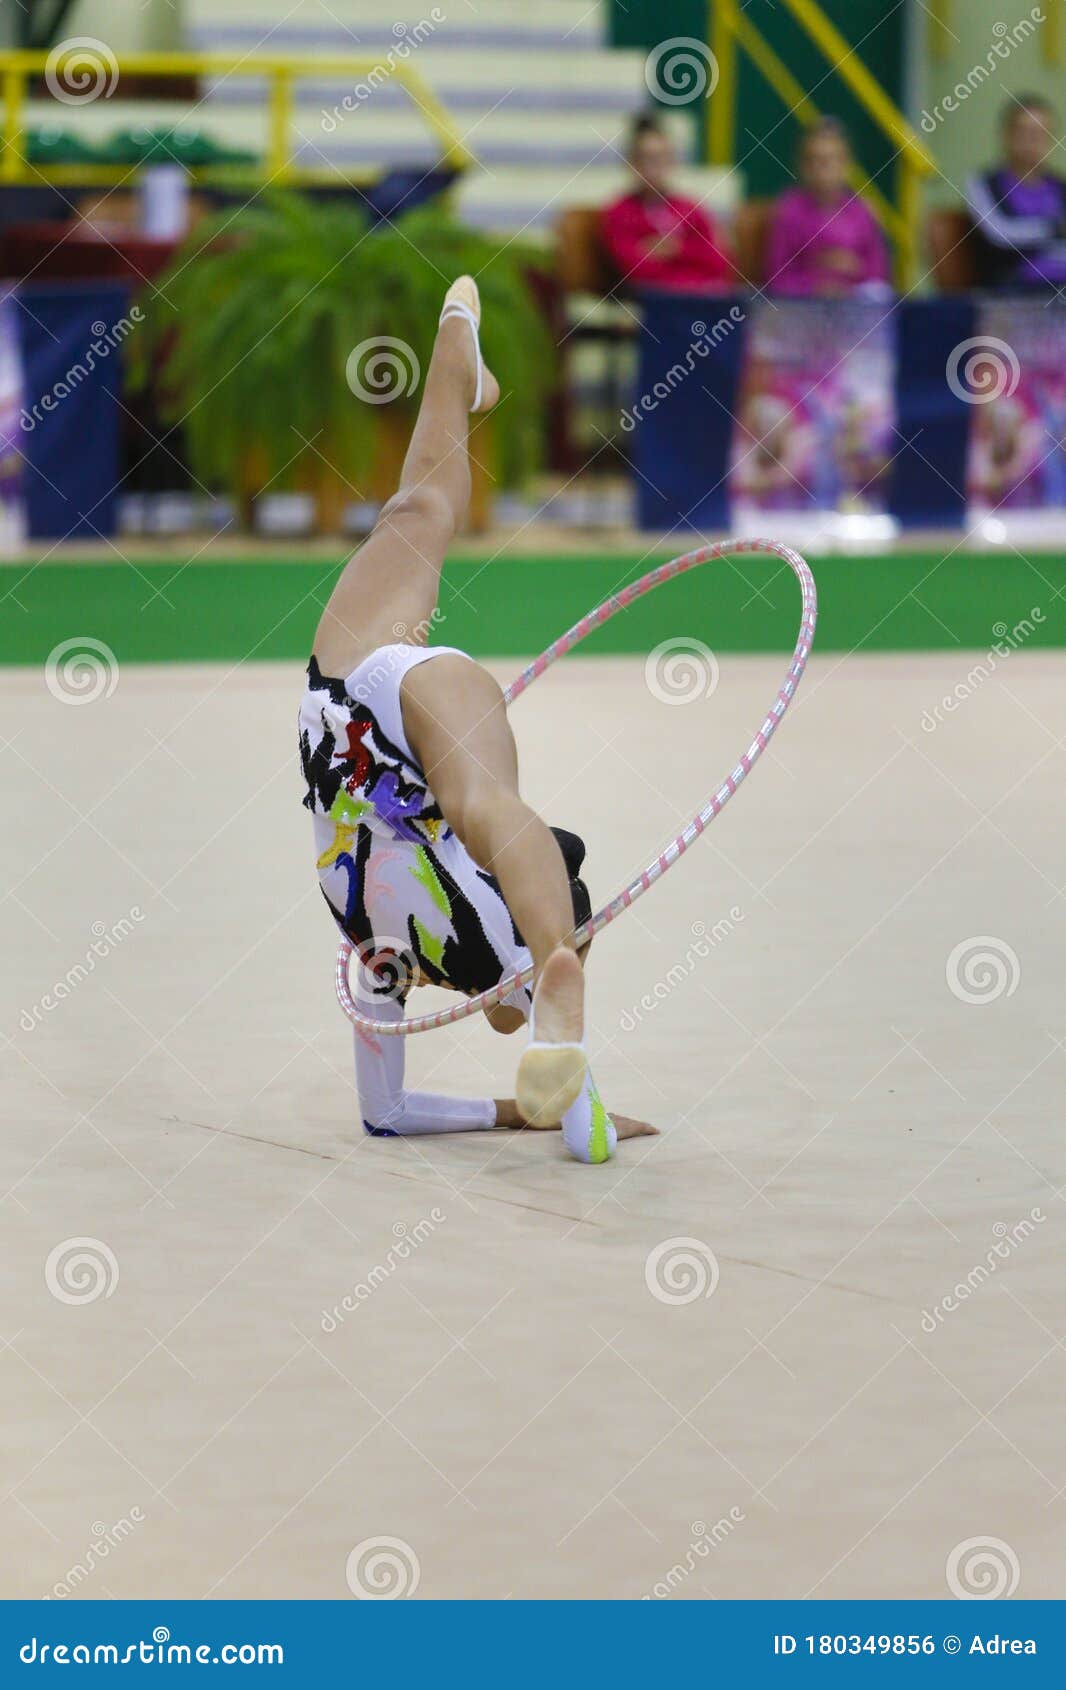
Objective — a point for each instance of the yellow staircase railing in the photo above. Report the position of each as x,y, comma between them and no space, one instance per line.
731,29
19,69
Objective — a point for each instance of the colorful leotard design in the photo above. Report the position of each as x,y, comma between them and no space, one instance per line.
397,879
394,874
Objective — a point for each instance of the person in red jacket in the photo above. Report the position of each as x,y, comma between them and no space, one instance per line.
656,238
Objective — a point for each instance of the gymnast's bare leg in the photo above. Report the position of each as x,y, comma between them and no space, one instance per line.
453,710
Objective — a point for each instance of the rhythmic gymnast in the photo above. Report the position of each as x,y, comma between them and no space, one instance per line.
433,866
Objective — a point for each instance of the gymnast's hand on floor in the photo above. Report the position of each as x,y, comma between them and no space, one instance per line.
508,1118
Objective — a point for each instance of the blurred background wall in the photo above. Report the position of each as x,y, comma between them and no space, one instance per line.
130,26
767,163
623,226
960,34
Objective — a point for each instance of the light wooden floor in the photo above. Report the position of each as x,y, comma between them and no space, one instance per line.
844,1138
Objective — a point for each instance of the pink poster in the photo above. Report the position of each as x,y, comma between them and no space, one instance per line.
1013,373
12,517
815,411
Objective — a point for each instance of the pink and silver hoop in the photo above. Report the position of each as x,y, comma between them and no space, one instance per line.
677,847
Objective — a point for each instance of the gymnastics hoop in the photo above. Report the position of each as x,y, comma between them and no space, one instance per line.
677,847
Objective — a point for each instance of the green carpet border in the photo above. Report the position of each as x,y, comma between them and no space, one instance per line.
226,611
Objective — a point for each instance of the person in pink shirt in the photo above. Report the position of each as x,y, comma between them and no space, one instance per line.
656,238
823,238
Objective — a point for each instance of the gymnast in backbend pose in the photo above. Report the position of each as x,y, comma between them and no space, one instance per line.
428,857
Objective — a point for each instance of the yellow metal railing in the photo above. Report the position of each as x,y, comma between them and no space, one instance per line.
19,69
731,28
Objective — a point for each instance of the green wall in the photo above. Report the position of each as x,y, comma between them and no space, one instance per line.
766,134
128,26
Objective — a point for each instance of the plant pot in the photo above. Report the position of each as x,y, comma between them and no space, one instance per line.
391,441
482,477
394,433
254,475
332,494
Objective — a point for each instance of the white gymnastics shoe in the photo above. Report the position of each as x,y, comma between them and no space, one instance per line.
552,1073
463,300
588,1131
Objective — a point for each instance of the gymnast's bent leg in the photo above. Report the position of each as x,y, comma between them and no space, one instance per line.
457,724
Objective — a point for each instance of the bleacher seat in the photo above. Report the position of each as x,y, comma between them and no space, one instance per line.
541,99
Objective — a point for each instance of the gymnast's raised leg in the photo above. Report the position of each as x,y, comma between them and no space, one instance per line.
453,711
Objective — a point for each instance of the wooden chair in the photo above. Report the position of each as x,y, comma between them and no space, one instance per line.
751,232
581,264
951,246
583,267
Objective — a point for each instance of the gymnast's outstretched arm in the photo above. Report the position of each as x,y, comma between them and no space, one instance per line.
388,1110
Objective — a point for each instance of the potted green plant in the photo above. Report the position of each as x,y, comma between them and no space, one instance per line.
296,339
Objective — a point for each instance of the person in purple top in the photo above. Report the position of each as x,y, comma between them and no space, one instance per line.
823,239
1019,206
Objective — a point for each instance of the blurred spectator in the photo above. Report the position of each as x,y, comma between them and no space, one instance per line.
657,238
824,238
1019,206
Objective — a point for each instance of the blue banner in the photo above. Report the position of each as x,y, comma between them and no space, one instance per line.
68,429
933,417
542,1644
681,417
